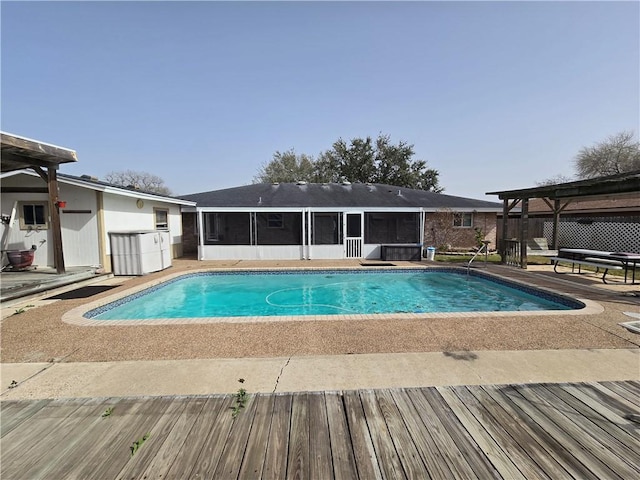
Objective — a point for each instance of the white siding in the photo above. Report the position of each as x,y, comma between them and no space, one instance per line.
247,252
18,239
80,233
122,213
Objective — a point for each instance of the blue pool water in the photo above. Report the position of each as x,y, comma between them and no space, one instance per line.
327,293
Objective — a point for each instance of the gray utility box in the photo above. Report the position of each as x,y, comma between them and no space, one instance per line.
138,252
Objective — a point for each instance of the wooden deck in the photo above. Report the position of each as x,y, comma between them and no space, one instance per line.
518,431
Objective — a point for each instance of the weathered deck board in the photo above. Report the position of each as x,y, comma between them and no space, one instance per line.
18,448
500,458
622,392
257,443
466,458
14,413
235,446
527,431
320,463
214,441
344,464
168,452
275,462
524,439
187,452
435,463
298,464
113,445
576,439
607,432
402,440
363,451
510,398
381,437
151,448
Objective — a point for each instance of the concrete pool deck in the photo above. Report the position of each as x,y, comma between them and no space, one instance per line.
48,358
314,373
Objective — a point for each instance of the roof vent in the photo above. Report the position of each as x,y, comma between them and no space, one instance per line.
275,183
399,193
260,201
346,182
89,177
301,182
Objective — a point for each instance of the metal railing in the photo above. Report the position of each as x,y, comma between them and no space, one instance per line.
485,248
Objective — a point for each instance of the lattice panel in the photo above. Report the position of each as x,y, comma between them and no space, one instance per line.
607,236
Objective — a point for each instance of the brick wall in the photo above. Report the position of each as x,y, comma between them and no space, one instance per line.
440,232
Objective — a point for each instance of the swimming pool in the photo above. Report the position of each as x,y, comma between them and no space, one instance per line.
327,293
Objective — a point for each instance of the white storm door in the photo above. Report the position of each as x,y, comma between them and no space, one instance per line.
353,228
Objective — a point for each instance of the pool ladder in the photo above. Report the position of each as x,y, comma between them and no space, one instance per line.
485,247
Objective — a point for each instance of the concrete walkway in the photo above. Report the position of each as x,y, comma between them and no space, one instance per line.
314,373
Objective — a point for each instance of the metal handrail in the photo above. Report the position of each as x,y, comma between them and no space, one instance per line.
485,247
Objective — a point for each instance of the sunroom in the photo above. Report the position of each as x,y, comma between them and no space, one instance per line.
314,221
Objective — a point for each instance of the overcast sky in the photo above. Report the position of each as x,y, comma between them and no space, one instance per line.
493,95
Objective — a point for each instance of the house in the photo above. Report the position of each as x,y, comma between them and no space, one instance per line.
88,210
329,221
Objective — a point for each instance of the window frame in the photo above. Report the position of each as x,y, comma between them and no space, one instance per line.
155,219
35,226
459,220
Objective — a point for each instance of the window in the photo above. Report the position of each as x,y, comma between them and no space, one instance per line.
34,216
463,220
275,220
161,218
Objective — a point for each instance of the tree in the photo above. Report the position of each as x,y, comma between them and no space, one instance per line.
617,154
144,181
395,167
286,167
359,160
554,180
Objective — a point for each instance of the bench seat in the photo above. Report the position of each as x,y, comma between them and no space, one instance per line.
598,263
605,261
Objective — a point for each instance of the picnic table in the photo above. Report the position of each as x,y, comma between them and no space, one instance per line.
600,259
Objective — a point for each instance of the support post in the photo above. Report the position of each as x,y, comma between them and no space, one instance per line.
524,232
505,225
556,215
54,212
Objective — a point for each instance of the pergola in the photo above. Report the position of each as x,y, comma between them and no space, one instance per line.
18,153
558,197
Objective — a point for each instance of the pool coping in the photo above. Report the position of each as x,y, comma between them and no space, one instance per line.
76,316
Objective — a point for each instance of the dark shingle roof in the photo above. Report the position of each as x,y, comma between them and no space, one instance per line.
334,195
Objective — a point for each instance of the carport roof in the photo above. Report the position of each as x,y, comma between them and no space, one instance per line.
18,153
335,195
617,185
